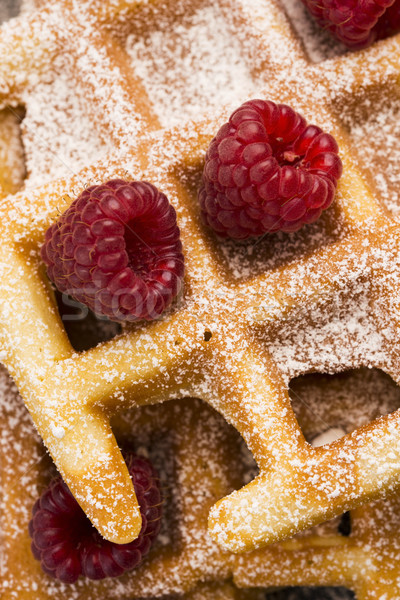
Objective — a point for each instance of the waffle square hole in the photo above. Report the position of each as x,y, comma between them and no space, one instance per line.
330,406
159,449
84,329
189,65
161,432
242,260
373,123
62,140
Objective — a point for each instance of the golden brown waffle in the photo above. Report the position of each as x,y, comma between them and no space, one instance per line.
171,357
182,444
253,316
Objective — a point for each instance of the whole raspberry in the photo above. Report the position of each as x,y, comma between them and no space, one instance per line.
117,250
67,544
267,170
356,23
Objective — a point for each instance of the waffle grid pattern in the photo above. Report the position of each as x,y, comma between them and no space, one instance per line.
183,443
71,395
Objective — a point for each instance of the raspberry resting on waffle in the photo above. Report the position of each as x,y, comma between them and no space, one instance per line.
266,170
357,23
68,545
117,250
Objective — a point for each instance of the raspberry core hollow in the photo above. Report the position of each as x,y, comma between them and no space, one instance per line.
117,249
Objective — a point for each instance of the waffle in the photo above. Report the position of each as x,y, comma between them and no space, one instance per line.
182,443
253,316
179,443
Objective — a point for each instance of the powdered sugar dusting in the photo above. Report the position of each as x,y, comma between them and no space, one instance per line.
198,52
60,140
374,125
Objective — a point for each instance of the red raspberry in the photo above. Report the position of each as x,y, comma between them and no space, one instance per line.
68,545
357,23
117,250
267,170
389,23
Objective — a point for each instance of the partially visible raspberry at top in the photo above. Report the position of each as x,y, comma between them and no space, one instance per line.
389,23
267,170
67,544
117,249
357,23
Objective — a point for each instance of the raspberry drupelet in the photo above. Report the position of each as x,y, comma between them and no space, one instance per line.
267,170
117,249
357,23
68,545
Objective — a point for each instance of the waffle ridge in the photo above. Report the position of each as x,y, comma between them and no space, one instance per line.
219,343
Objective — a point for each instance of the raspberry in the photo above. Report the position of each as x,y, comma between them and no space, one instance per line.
267,170
68,545
117,250
389,23
357,23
